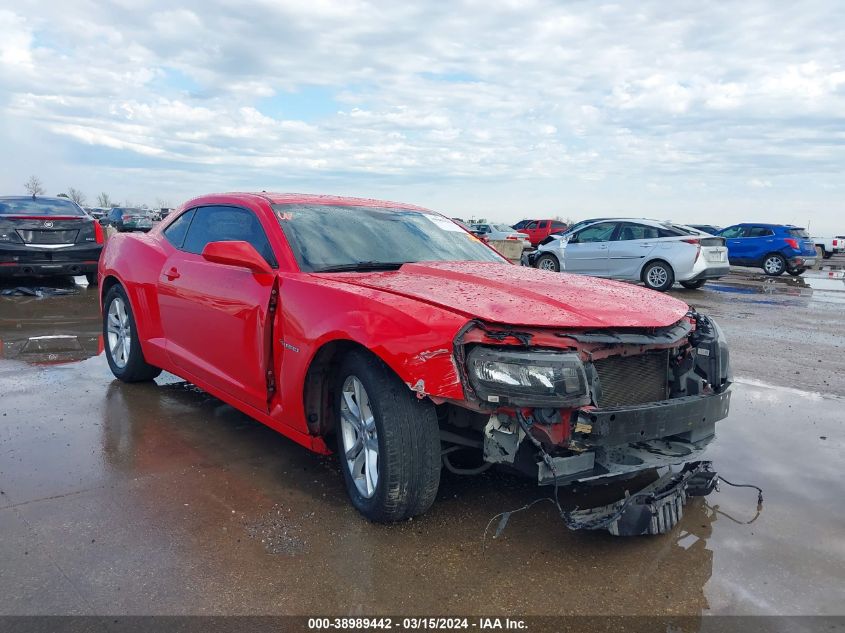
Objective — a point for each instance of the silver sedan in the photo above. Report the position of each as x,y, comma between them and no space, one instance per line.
653,252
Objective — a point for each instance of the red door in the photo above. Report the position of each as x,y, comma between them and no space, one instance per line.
215,317
537,231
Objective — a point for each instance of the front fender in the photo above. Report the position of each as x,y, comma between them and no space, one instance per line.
413,338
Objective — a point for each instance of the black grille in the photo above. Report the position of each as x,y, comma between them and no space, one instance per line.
49,237
628,380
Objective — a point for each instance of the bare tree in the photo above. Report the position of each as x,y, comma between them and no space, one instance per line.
104,201
161,203
33,186
77,196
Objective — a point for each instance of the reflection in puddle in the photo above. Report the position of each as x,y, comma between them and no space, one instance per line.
826,285
52,329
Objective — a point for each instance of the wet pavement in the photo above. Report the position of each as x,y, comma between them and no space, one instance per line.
159,499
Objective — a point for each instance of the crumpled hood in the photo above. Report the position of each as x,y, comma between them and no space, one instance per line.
516,295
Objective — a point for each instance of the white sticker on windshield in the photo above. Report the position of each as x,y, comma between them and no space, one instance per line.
443,223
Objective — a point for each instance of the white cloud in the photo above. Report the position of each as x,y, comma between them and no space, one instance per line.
543,99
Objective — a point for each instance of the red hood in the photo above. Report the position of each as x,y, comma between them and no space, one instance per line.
516,295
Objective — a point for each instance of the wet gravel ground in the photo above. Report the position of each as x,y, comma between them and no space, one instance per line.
159,499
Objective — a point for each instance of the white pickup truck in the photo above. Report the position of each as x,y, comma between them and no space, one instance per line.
827,247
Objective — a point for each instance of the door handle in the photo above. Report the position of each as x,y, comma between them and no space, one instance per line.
646,245
172,274
603,247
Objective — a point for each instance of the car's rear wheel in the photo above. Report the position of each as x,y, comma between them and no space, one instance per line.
547,261
658,276
693,285
774,264
821,253
123,348
388,441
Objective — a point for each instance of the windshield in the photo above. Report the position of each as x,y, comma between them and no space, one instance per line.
502,228
798,233
326,236
38,206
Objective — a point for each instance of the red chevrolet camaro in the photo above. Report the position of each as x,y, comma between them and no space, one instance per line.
391,333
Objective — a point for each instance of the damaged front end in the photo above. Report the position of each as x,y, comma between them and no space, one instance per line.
588,406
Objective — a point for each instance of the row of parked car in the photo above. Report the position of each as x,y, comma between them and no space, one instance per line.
660,253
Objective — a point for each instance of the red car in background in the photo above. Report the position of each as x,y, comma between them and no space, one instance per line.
388,332
538,230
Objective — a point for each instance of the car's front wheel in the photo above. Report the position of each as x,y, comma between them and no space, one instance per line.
123,348
547,261
774,265
658,276
388,441
693,285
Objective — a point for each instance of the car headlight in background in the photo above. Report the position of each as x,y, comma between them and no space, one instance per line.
528,378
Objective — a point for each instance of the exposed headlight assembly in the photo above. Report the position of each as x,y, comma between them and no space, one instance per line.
712,360
528,378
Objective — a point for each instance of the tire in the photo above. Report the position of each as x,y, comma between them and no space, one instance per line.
796,272
693,285
658,275
821,253
91,278
827,255
123,349
547,261
403,432
774,264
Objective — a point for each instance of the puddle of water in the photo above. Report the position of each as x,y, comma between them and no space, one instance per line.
50,330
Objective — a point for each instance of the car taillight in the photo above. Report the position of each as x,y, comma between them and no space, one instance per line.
98,233
836,242
793,243
697,242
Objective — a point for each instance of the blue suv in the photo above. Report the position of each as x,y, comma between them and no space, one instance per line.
776,248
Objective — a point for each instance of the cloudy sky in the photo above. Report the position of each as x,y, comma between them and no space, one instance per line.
716,112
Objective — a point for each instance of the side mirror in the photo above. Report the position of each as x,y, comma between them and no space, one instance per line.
236,253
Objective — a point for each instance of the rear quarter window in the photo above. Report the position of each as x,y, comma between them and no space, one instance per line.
176,232
797,233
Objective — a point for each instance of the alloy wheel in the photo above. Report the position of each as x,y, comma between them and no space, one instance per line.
547,264
773,265
360,438
657,276
119,332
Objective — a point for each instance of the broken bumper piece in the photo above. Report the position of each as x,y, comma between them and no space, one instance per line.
655,509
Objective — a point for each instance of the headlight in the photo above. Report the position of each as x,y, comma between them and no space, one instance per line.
528,378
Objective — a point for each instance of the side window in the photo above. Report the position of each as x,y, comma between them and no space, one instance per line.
734,231
221,224
759,231
544,224
636,232
531,225
600,232
558,225
175,233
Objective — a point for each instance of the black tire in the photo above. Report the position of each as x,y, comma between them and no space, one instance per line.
774,264
693,285
135,368
656,280
796,272
408,440
91,278
547,261
827,255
